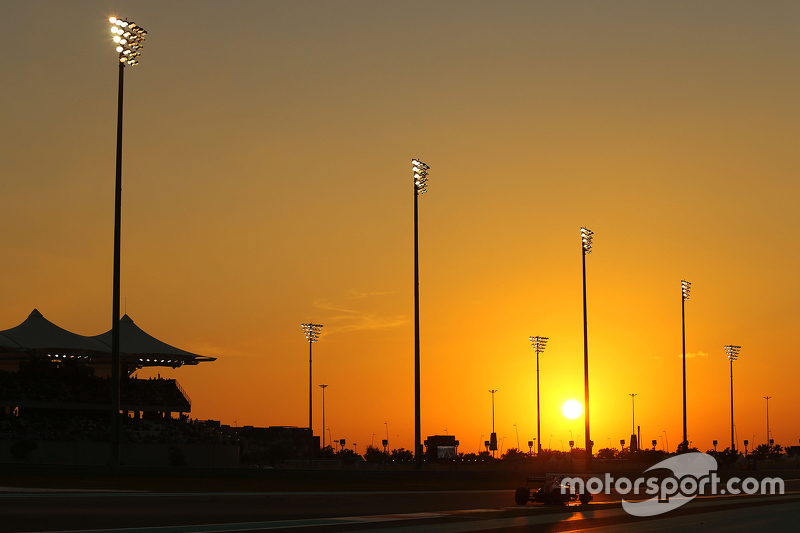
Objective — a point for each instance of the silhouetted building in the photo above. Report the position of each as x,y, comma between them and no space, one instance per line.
440,447
55,386
274,444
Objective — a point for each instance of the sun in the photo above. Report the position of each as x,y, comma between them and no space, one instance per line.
572,409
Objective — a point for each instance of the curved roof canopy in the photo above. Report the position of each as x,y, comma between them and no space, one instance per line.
7,345
135,342
37,334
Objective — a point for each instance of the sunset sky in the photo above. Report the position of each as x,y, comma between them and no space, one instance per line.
267,182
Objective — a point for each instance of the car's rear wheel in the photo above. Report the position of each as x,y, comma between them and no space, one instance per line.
522,495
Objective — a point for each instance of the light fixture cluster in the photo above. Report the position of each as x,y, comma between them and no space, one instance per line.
538,343
420,176
685,288
141,360
733,352
129,40
311,331
586,237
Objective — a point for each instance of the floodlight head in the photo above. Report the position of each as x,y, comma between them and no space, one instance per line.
733,352
420,171
128,40
311,331
586,238
685,288
538,343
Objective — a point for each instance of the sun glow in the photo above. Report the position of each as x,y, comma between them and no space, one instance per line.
572,409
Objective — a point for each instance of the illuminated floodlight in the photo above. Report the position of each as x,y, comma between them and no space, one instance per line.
586,237
128,39
311,331
420,170
538,344
685,288
733,352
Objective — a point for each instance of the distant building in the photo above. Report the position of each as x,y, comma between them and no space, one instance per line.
274,444
440,447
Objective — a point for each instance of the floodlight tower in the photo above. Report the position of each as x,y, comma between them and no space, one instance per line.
323,417
586,248
733,355
768,398
685,288
420,171
128,41
538,344
312,332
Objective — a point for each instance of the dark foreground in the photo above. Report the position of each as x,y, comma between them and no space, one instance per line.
417,501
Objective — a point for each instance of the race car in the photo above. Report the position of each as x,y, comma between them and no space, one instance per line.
550,490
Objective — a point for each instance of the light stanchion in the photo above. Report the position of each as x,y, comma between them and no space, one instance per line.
128,39
312,332
586,248
685,288
733,354
323,417
538,344
420,172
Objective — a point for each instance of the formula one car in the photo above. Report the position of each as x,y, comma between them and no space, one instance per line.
550,490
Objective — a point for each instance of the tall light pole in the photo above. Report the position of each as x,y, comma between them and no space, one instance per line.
420,171
538,344
685,288
128,40
493,436
323,387
733,354
586,248
312,332
767,398
633,412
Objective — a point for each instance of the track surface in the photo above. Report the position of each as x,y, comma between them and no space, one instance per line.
436,511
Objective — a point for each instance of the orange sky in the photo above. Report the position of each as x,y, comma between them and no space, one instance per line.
267,182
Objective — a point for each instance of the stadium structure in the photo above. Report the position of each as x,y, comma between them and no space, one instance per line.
55,386
44,366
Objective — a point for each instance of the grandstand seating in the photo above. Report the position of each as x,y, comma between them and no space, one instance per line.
62,389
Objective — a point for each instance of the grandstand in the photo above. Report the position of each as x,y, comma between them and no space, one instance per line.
52,377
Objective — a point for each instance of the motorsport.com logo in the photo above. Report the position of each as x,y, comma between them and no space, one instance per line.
693,474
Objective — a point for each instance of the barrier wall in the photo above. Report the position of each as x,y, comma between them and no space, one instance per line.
134,454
